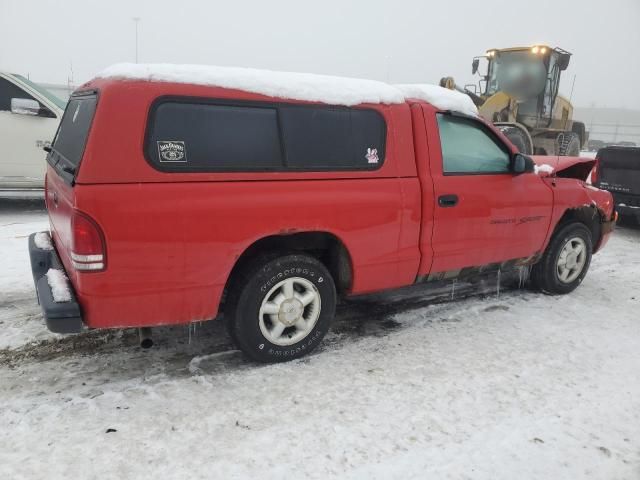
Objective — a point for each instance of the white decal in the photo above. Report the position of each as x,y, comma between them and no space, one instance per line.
372,155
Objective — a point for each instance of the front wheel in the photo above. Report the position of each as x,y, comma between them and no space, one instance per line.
280,309
566,260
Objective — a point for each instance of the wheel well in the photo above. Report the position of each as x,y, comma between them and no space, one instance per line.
590,216
324,246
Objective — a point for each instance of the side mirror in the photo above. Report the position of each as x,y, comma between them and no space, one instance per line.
474,65
563,61
522,164
25,106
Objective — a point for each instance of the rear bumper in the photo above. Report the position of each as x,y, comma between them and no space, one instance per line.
627,210
626,204
60,317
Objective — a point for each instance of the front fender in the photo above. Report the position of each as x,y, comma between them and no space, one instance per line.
575,200
604,202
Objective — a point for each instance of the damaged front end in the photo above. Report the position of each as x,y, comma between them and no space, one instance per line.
565,167
575,199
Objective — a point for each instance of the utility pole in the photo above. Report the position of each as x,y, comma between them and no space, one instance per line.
70,79
136,20
573,84
388,62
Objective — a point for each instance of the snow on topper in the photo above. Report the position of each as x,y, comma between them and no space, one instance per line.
372,155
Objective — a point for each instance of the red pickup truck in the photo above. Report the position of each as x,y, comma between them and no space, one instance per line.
180,193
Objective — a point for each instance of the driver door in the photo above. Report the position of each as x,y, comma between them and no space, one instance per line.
484,214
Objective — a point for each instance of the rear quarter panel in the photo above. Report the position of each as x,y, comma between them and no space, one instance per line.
171,246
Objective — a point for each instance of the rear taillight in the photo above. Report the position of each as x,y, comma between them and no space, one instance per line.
594,172
87,244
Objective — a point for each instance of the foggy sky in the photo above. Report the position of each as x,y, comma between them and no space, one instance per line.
398,41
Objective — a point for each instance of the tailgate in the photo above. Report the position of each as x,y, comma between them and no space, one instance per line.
619,170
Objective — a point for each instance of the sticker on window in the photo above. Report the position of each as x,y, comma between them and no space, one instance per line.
372,155
172,151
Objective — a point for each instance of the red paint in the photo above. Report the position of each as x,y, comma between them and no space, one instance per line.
172,239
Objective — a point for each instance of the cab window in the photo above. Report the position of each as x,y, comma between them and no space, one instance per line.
467,147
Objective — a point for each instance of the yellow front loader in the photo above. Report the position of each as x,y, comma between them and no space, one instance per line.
518,92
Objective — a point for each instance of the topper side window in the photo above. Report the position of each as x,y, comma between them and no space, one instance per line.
201,135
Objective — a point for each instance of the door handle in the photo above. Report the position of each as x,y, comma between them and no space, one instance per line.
448,200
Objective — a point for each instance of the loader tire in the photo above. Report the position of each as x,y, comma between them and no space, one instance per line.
570,146
518,138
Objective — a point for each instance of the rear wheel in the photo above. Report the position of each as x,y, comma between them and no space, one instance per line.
566,260
280,309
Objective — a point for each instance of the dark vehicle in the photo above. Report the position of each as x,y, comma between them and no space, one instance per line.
618,171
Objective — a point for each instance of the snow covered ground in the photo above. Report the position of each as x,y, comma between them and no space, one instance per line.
515,386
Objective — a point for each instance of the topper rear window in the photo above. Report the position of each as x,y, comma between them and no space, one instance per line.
196,135
70,140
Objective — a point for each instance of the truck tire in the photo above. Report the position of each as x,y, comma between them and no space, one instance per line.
279,309
565,262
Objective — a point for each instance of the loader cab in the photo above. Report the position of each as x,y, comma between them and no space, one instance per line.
529,75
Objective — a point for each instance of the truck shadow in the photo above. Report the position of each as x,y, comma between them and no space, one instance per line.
103,356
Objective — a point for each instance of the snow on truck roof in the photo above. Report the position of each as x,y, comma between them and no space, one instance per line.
295,86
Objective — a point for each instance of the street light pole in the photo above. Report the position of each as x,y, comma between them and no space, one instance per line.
136,20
